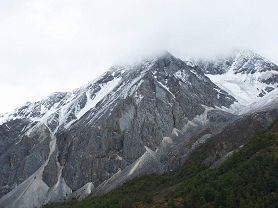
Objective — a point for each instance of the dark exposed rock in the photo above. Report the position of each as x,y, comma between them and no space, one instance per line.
24,157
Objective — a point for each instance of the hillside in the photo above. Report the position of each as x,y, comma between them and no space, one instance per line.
248,178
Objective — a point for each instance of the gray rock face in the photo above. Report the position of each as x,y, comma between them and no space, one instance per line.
148,163
237,134
133,120
164,98
24,156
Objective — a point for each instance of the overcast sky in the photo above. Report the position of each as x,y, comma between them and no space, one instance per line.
58,45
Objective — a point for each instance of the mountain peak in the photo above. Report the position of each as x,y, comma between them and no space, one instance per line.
239,61
245,53
247,61
162,59
165,55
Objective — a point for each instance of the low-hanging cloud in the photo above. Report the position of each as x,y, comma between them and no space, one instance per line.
55,45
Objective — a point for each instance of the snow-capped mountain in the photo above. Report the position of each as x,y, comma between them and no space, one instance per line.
133,120
244,75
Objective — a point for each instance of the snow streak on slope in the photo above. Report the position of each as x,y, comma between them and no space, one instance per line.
91,103
33,192
35,111
68,108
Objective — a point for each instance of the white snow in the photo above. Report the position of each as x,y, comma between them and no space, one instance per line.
166,88
182,76
65,106
4,118
91,103
244,87
135,87
129,88
269,100
105,90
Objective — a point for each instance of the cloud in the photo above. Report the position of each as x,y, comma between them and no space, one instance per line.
55,45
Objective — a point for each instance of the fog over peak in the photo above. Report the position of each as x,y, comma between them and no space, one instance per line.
49,46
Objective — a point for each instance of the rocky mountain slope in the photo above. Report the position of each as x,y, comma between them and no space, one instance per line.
134,120
247,178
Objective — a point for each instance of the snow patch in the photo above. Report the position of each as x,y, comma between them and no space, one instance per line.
182,76
100,95
166,88
244,87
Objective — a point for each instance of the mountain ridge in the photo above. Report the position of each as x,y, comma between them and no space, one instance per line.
165,54
128,122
